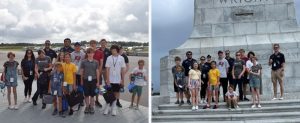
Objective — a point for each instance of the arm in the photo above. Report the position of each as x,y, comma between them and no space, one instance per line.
242,73
81,78
232,72
127,67
100,66
98,77
36,72
74,83
107,75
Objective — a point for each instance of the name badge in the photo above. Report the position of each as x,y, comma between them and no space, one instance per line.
65,83
204,76
274,65
11,79
90,78
180,86
114,73
55,92
31,73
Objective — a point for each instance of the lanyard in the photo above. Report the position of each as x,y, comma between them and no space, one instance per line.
114,61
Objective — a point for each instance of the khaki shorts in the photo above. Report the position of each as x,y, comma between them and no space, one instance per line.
277,75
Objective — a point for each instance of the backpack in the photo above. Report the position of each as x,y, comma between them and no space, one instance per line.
48,99
109,96
74,98
130,86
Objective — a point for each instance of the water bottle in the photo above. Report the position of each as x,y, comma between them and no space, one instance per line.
122,90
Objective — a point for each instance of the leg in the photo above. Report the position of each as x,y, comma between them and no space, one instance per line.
132,99
229,101
15,94
26,87
59,103
224,84
281,87
217,95
30,87
193,97
196,96
274,81
258,95
8,95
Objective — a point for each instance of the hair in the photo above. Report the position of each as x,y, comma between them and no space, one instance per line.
276,45
93,41
59,65
179,68
115,47
230,86
197,64
141,61
177,58
251,52
238,52
90,50
214,62
58,58
67,39
254,57
41,51
188,52
10,53
32,55
67,54
103,40
242,50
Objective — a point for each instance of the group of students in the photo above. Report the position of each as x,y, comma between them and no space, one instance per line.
208,76
74,69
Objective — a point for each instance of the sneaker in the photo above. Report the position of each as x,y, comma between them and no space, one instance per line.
86,110
229,108
259,106
25,100
246,99
98,104
204,101
237,107
189,102
29,100
181,103
131,106
92,110
54,112
136,108
44,106
274,98
82,104
119,104
253,106
215,107
61,114
206,107
10,107
281,98
106,110
193,108
71,112
177,102
114,111
16,107
197,108
34,102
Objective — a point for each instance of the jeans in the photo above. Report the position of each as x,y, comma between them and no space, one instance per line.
224,84
28,85
239,82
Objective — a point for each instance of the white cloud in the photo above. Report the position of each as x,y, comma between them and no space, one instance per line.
38,20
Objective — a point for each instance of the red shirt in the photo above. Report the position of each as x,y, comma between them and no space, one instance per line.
98,55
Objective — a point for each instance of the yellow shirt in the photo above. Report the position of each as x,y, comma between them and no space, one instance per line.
213,75
69,72
195,74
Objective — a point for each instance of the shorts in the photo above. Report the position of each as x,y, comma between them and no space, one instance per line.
115,87
89,87
59,91
245,80
277,75
254,82
11,84
137,90
175,88
213,88
194,84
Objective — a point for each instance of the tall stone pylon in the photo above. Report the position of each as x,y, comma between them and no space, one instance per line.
253,25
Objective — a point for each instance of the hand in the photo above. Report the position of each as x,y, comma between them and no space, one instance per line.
97,84
271,61
107,82
240,76
75,88
233,77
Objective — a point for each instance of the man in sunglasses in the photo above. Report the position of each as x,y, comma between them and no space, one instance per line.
48,51
231,63
187,64
277,63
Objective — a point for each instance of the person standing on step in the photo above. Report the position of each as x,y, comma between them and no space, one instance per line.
204,67
249,64
43,66
238,71
10,77
28,72
213,85
244,78
177,64
115,67
123,54
49,52
194,83
277,61
231,63
187,65
106,53
254,75
223,65
67,46
77,57
98,56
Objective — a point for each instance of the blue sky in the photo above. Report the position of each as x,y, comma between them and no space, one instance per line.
172,22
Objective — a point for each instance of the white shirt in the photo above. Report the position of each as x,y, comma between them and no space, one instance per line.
222,65
232,94
76,58
249,64
140,75
115,65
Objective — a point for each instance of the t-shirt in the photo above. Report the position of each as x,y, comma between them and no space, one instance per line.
278,60
98,55
222,65
213,75
43,63
27,67
67,49
106,53
204,70
180,78
174,70
51,53
76,58
249,64
11,70
89,68
238,67
194,74
139,75
56,80
231,63
255,69
232,94
115,64
125,58
69,70
187,65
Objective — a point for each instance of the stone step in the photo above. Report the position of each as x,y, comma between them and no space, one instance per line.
226,111
227,117
241,104
281,120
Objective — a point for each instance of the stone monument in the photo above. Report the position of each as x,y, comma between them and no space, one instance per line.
253,25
